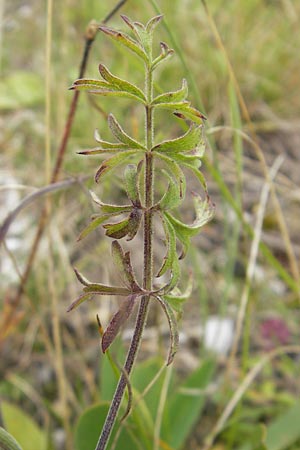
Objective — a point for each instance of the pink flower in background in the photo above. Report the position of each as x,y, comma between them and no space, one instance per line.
274,332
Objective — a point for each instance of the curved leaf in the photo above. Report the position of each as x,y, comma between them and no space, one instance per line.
127,227
87,84
171,199
185,143
204,213
120,134
174,336
112,162
165,53
127,41
121,85
188,111
172,97
118,319
174,170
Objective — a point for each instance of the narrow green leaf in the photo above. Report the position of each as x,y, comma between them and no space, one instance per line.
123,264
127,41
174,170
81,278
135,218
114,161
109,209
198,174
118,319
185,143
87,84
121,85
7,441
120,134
172,97
102,289
109,145
92,226
132,184
174,336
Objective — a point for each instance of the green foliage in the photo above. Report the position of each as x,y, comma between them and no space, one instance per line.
23,428
186,150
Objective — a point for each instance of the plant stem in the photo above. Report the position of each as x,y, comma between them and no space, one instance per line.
147,272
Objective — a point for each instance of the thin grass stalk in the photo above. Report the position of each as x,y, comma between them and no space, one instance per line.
258,151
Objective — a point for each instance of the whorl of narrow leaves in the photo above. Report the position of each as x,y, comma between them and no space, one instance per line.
173,154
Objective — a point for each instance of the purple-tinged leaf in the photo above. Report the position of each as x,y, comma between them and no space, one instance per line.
117,230
174,336
165,53
127,41
114,161
118,319
87,84
152,23
123,264
120,134
135,218
172,97
98,289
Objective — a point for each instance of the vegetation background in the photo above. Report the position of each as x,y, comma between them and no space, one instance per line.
242,65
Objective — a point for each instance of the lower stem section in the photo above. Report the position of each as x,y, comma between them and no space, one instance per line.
131,356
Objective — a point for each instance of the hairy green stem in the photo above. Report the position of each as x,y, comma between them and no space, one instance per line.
147,272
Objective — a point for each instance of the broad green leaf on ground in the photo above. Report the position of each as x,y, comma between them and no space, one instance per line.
20,425
285,430
88,428
183,409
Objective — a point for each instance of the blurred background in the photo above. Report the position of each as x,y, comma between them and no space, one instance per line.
237,369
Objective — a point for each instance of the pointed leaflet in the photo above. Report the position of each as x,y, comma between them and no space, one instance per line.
152,23
92,226
114,161
121,85
204,213
88,84
174,170
166,52
127,41
120,134
184,143
123,264
172,97
132,184
97,289
184,107
118,319
174,336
